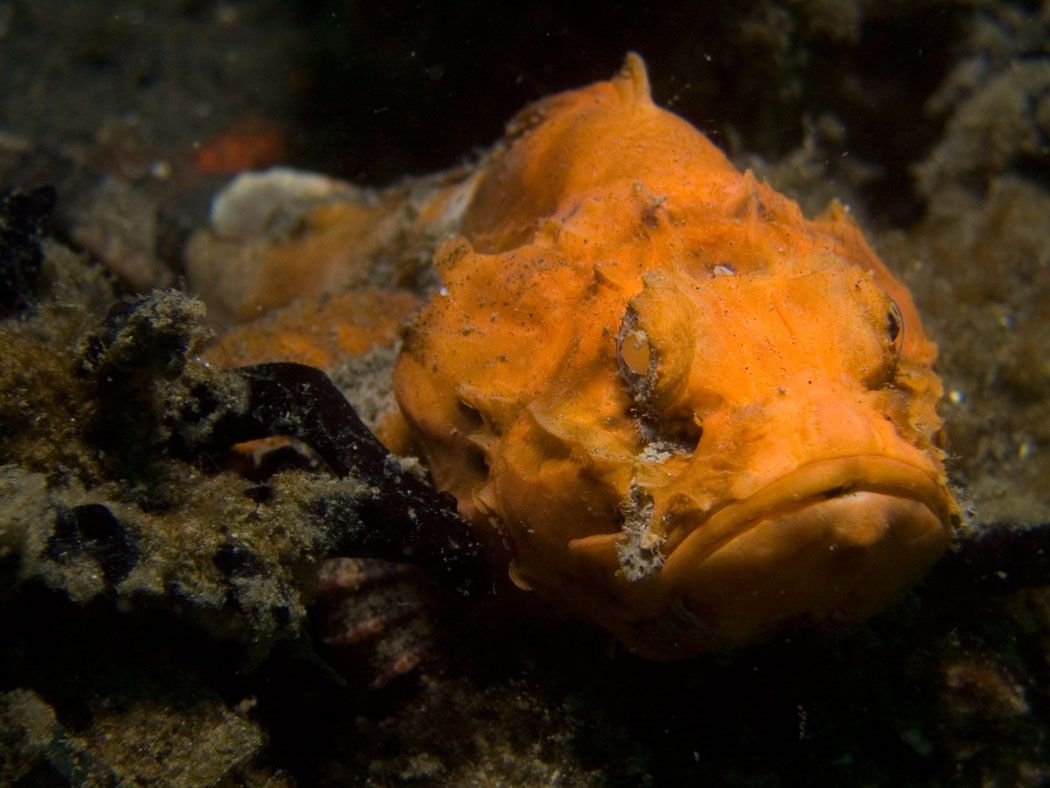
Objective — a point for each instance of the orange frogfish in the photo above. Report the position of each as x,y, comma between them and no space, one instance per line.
668,402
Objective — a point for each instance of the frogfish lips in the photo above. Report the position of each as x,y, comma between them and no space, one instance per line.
827,544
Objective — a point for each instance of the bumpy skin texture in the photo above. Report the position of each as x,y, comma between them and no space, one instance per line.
669,402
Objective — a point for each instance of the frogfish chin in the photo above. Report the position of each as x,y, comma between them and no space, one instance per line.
666,401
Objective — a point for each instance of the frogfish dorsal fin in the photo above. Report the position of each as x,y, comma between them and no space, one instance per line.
632,83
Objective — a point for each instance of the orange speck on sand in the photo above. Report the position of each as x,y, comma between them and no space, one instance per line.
252,144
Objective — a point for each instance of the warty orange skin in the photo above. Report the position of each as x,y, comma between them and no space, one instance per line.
668,402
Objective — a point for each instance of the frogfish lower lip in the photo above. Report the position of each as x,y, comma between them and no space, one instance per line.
830,542
809,486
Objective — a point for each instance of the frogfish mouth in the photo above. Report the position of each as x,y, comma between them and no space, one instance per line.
667,401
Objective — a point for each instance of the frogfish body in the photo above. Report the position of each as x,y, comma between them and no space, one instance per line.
666,401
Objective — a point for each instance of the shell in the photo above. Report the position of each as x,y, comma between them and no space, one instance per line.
667,401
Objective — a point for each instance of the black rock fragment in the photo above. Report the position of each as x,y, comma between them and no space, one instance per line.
92,530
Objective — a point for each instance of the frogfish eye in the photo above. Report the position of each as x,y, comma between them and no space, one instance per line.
654,346
895,326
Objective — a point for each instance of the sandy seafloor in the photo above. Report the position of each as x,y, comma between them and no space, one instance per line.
159,621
